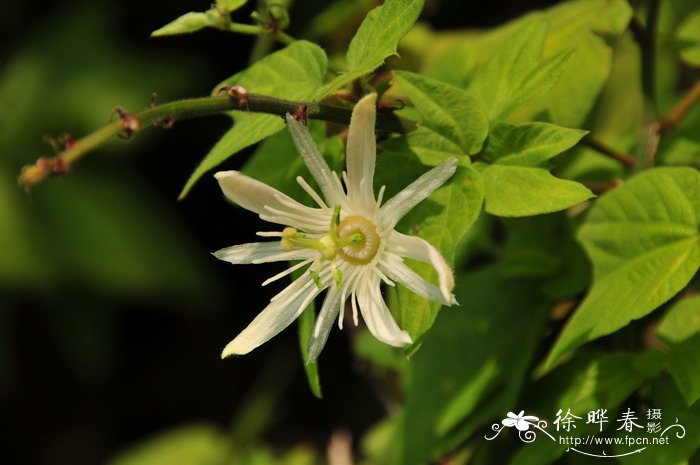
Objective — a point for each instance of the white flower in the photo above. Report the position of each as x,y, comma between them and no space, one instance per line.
520,421
348,243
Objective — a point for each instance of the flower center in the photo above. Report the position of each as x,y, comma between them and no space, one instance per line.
362,251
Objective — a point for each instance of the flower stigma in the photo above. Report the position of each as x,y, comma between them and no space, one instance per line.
355,239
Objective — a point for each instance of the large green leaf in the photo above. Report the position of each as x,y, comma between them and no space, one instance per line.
293,73
517,73
680,329
512,190
643,241
376,39
442,219
446,109
471,366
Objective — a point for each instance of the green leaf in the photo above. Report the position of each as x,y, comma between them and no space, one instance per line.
442,220
428,146
446,109
471,366
186,24
512,190
680,329
230,5
194,444
590,381
528,144
294,73
516,73
376,39
688,39
642,239
456,65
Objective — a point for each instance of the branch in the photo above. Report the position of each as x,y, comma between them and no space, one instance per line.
684,105
164,115
625,159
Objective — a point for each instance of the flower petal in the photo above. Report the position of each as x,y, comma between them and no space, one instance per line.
324,323
262,252
325,178
275,317
509,422
419,249
361,153
522,425
403,202
397,270
377,316
260,198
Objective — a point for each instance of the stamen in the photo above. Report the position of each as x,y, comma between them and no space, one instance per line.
312,193
380,196
269,233
289,270
316,278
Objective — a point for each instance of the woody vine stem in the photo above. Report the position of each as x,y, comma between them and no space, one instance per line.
236,98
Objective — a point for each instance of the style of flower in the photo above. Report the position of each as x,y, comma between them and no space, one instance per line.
520,421
348,243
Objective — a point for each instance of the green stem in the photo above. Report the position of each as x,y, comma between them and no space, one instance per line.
195,108
251,29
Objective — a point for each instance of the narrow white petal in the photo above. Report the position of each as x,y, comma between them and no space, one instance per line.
397,270
377,316
261,252
396,207
329,184
273,319
361,152
324,323
419,249
257,196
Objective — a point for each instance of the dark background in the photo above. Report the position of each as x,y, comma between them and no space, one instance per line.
87,369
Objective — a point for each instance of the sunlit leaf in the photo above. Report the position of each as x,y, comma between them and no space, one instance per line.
377,39
528,144
517,73
446,109
512,190
643,241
